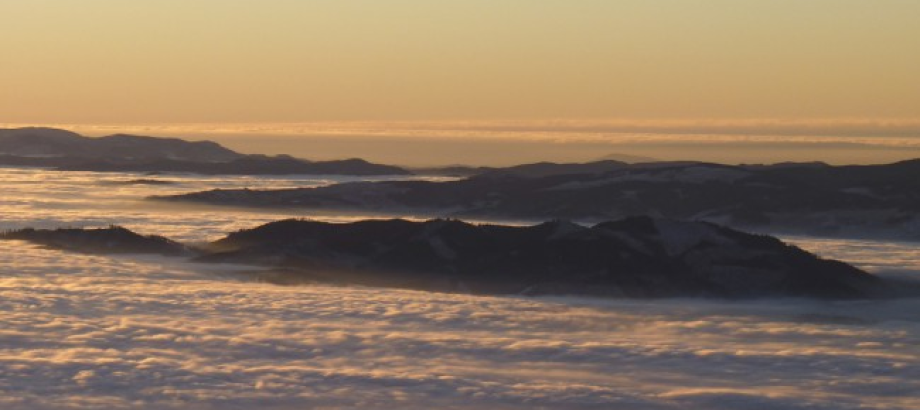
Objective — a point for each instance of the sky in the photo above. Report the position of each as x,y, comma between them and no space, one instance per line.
423,83
247,61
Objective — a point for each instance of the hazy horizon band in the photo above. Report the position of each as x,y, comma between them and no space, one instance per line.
424,144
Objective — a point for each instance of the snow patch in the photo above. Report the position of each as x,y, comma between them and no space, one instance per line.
678,237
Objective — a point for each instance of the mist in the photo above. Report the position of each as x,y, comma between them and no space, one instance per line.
86,331
99,332
428,144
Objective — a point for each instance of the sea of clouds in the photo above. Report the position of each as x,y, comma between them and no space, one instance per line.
49,199
81,331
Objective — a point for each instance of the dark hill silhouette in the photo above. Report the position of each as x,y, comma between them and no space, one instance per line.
68,151
114,239
807,198
634,257
534,170
50,142
628,158
543,169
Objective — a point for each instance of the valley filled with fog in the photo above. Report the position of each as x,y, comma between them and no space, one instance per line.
46,198
83,331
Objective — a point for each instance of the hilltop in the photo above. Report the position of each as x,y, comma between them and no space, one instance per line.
800,198
69,151
637,257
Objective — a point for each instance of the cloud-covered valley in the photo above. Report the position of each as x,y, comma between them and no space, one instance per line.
84,331
80,331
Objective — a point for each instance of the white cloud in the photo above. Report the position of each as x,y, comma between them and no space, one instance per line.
82,331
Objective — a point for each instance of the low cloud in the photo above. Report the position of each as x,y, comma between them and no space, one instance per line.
82,331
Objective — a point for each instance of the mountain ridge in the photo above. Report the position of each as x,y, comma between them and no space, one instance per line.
69,151
811,199
637,257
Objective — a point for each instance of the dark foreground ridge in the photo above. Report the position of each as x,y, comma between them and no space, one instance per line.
635,257
68,151
111,240
798,198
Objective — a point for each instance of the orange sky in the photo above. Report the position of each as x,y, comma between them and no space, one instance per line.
247,61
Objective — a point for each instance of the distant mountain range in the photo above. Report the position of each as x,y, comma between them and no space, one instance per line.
627,158
633,257
529,170
68,151
51,142
805,198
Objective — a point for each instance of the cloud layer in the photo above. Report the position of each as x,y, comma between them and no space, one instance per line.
94,332
97,332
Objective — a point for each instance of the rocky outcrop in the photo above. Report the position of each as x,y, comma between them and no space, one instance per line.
247,165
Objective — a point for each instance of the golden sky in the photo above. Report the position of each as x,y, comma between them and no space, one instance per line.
174,61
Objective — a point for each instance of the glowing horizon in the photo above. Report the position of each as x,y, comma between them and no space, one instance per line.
432,144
